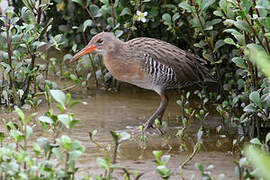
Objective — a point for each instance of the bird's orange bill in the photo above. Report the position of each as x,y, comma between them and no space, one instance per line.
89,48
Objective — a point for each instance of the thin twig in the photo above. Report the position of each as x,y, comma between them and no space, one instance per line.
39,12
251,26
113,13
94,70
263,30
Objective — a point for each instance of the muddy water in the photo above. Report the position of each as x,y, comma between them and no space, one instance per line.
130,107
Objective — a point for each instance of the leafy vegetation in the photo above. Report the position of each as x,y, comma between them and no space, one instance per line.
233,35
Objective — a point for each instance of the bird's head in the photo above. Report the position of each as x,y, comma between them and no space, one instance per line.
102,43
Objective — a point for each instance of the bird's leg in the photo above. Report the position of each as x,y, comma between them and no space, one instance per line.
159,112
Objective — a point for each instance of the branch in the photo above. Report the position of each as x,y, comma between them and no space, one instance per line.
113,14
251,26
263,30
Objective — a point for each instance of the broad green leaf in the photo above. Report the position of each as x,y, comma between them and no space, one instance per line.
219,44
58,153
125,11
65,142
65,119
250,108
240,62
242,25
255,97
58,96
206,4
94,9
167,19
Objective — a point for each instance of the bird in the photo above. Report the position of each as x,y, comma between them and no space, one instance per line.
148,63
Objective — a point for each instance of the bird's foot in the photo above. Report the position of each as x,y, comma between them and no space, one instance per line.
152,129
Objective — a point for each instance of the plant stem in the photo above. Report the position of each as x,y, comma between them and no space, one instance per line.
94,70
251,26
208,42
263,30
113,13
39,12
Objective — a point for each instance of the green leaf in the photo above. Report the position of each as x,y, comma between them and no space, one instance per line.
255,141
164,172
58,153
74,155
242,25
105,2
45,119
219,44
58,96
118,33
65,142
255,97
78,2
157,155
175,17
105,164
218,13
44,143
223,5
73,103
37,149
94,9
20,113
206,4
87,23
229,41
240,62
167,19
17,135
116,136
186,6
29,131
65,119
250,108
125,11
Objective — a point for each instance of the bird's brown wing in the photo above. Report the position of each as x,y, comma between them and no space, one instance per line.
187,67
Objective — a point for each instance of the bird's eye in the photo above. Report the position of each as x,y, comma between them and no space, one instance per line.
100,41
